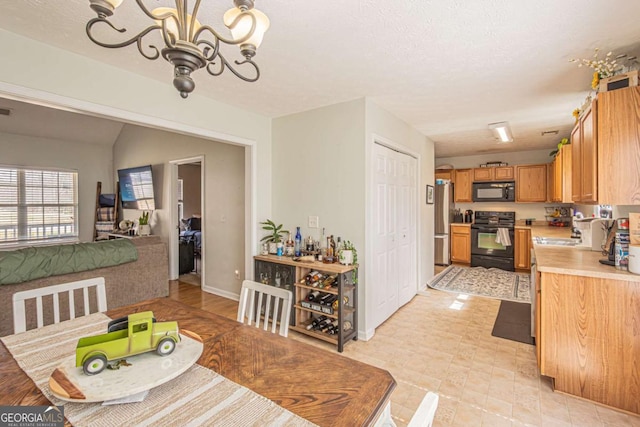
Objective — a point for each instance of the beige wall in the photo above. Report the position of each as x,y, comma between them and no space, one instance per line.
92,162
190,175
224,221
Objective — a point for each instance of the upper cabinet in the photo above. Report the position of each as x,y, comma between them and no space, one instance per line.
618,146
498,173
531,183
560,176
462,189
444,174
584,181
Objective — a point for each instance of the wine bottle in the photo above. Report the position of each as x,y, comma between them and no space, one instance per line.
322,324
315,322
313,296
298,243
330,326
308,279
325,298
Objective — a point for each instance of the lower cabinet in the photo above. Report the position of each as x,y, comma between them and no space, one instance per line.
522,249
461,243
312,284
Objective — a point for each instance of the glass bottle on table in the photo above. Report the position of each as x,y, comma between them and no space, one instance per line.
298,243
289,247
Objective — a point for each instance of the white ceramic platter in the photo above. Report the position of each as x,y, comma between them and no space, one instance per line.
146,371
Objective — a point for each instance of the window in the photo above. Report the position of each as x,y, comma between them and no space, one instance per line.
37,205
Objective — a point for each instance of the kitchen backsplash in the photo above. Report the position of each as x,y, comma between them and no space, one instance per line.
522,210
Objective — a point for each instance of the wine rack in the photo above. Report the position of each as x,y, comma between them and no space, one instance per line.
344,311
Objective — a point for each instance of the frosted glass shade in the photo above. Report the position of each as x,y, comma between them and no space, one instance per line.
172,27
114,3
243,27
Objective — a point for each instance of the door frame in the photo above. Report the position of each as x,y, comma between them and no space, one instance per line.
174,249
369,229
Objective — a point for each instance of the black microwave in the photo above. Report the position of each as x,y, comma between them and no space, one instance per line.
494,191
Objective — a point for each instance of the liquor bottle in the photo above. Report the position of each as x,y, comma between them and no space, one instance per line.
309,244
334,252
315,322
298,243
312,296
308,279
289,247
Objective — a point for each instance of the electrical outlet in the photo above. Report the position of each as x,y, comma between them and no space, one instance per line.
314,222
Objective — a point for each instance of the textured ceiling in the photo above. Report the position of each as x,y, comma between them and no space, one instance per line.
448,68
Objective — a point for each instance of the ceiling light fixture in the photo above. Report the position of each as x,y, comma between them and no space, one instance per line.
502,131
190,45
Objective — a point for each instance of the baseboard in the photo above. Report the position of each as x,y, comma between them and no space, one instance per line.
366,335
221,293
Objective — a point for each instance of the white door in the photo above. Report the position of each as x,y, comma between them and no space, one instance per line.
394,224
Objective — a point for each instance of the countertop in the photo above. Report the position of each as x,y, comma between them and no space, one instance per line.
571,260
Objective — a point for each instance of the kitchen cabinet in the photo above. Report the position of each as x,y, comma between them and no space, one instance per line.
531,183
560,176
589,336
461,243
618,147
497,173
444,174
462,189
584,143
522,249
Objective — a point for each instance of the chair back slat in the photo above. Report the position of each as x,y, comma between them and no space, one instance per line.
276,303
19,298
56,309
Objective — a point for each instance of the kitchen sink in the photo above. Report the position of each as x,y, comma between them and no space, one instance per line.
556,241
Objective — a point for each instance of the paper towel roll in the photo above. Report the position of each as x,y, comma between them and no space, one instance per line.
634,259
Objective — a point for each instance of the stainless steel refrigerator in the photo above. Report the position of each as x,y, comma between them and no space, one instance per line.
443,216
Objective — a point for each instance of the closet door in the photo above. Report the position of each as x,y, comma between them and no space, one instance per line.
394,217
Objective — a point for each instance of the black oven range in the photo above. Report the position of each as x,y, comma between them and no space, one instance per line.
492,240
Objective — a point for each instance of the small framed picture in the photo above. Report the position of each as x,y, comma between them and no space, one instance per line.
429,194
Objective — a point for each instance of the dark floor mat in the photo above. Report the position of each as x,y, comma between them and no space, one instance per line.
514,322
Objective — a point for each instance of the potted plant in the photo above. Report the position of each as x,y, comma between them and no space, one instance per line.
348,254
274,237
144,229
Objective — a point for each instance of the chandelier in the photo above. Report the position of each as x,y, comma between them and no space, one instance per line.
189,45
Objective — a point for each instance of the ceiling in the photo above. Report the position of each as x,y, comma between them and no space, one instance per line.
448,68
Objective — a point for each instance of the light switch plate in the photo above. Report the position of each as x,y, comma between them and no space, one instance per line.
314,222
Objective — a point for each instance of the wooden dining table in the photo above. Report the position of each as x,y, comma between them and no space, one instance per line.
325,388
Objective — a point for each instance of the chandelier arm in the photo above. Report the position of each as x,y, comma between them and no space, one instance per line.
147,12
181,8
136,39
169,40
194,14
233,70
210,68
214,46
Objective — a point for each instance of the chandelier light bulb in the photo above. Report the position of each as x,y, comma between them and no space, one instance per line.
243,26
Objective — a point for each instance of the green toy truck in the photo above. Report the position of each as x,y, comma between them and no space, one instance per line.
135,334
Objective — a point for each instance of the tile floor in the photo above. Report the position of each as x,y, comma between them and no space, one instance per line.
442,342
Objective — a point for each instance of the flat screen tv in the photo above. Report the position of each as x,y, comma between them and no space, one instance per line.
136,188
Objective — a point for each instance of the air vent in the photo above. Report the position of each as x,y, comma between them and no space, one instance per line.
550,132
5,112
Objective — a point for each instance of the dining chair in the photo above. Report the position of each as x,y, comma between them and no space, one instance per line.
255,296
55,291
426,411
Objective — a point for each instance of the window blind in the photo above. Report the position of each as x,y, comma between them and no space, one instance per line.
37,205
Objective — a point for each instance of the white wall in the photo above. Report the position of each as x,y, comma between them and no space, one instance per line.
93,163
224,221
34,70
